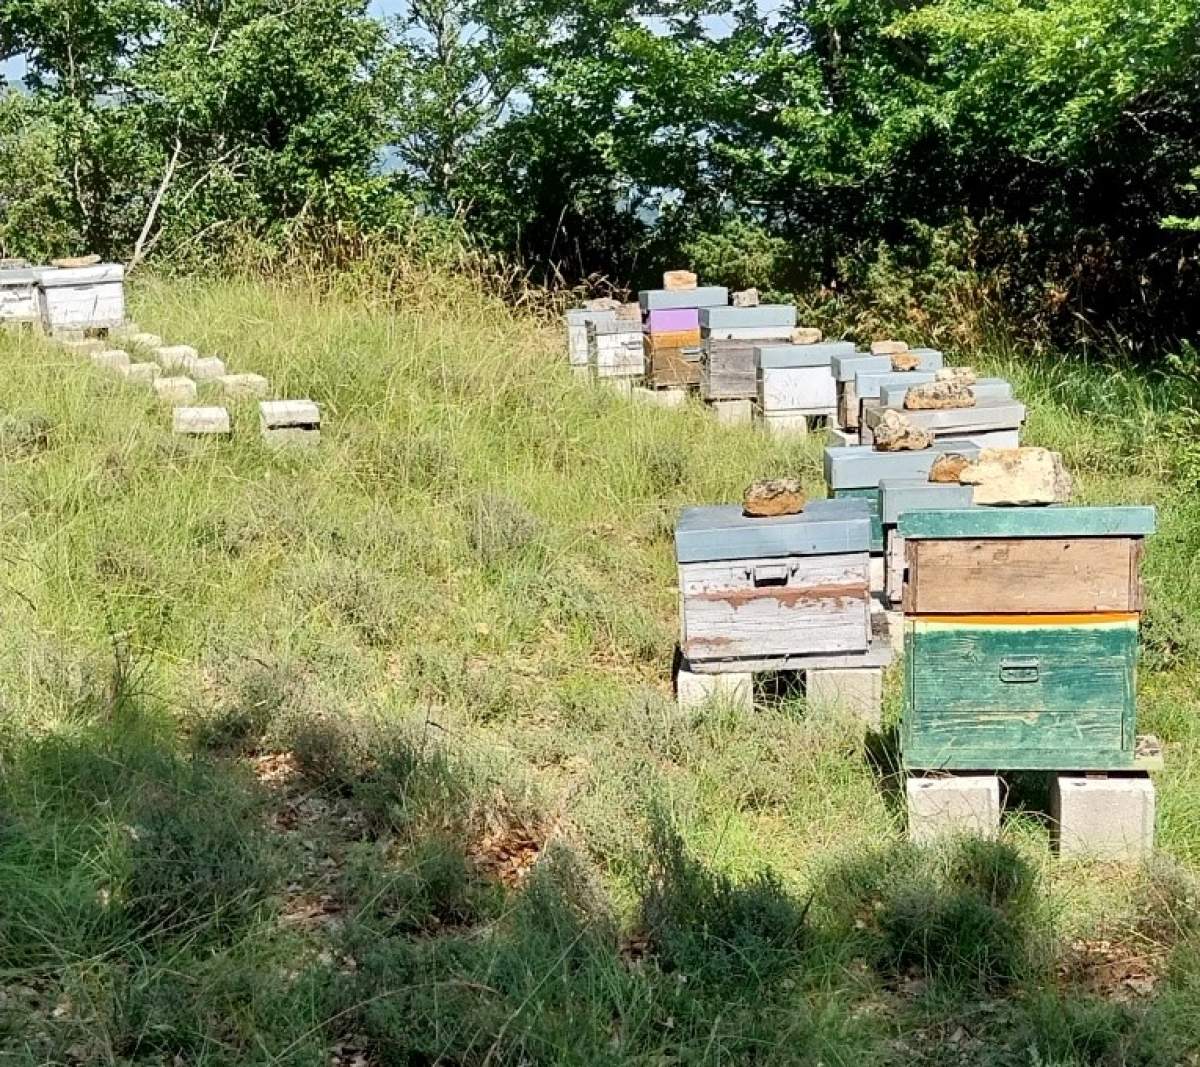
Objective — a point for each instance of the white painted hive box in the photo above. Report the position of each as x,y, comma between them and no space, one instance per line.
81,298
18,296
615,348
773,590
797,379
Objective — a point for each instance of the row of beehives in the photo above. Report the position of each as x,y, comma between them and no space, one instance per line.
751,359
83,307
1019,626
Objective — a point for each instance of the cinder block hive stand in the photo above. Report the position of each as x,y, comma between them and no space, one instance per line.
1020,652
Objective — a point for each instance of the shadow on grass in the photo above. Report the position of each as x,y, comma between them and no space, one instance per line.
140,921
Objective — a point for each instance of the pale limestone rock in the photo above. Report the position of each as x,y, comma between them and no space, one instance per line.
905,361
776,496
111,359
175,390
745,298
200,422
895,433
948,468
962,375
601,303
205,370
631,311
174,357
70,262
676,280
1018,476
937,395
888,348
244,386
140,373
144,340
806,335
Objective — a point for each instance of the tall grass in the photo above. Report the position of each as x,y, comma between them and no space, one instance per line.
371,750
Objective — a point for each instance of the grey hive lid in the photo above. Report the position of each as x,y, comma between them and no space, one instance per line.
846,367
671,299
868,383
824,527
579,316
783,356
727,318
900,495
861,467
18,276
101,273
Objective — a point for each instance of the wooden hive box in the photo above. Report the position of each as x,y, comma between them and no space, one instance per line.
845,371
1001,418
897,496
797,379
765,593
1021,637
727,362
856,471
615,348
672,359
577,336
892,395
82,298
18,295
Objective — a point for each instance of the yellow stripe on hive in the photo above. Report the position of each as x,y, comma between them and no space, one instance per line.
1098,618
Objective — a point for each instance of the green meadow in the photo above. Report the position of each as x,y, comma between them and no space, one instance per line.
368,754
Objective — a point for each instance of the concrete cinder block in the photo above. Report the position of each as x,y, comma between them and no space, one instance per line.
243,386
290,422
140,373
733,412
111,359
83,346
895,627
661,398
948,807
858,690
788,425
1102,818
207,369
200,421
838,438
144,340
176,390
695,690
174,357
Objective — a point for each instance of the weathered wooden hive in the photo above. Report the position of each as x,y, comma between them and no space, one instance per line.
82,298
795,382
773,593
856,471
845,372
671,332
1021,637
898,496
18,295
730,336
577,334
615,347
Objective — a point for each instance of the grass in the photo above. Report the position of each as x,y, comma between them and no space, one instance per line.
368,755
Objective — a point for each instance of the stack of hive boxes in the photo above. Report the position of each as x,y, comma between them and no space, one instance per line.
788,592
730,335
1020,653
615,346
994,418
897,496
18,295
869,380
671,329
845,373
795,384
577,335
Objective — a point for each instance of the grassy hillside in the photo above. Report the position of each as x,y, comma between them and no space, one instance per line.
370,753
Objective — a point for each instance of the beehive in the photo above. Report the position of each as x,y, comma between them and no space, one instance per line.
615,348
891,395
845,371
577,336
730,336
898,496
856,471
797,380
671,341
82,298
1000,419
18,296
767,593
1021,637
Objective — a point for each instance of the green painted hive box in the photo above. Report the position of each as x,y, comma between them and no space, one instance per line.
1021,637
